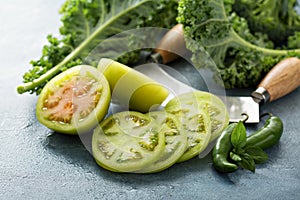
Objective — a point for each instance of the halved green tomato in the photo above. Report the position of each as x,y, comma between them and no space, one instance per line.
215,107
176,141
127,141
132,88
74,101
195,123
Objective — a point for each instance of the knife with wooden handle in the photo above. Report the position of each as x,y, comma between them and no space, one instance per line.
283,78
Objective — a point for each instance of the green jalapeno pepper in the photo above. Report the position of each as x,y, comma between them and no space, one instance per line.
263,138
268,135
222,150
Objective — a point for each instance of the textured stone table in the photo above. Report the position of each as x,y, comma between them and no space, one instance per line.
37,164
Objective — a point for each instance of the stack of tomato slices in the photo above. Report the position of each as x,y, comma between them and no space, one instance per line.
130,141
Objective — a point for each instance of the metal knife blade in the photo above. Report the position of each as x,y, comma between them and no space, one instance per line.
235,105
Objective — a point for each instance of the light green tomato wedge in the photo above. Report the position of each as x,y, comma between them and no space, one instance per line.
215,107
127,142
74,101
132,88
196,125
176,142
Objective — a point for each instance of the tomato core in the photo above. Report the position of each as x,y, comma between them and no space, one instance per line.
73,95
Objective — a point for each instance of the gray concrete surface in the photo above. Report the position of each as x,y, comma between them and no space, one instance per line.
38,164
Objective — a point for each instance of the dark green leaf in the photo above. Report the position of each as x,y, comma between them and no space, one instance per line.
241,55
238,151
258,155
238,136
247,162
235,157
88,23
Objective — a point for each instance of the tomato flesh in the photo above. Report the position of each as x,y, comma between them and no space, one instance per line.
74,101
176,142
195,123
213,105
75,95
127,142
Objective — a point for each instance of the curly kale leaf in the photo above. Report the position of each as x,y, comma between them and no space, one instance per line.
278,19
87,23
214,32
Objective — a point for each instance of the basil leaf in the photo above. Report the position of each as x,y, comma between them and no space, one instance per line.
247,162
235,157
238,151
238,136
258,155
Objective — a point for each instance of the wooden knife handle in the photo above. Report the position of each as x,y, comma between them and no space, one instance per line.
172,45
282,79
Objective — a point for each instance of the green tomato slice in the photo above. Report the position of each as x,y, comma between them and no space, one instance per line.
195,123
132,88
74,101
215,107
127,141
176,141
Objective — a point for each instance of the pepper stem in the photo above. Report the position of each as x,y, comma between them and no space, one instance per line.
246,117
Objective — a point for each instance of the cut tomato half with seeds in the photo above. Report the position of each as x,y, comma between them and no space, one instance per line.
74,101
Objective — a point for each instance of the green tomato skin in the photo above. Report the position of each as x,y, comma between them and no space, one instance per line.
132,88
221,151
268,135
